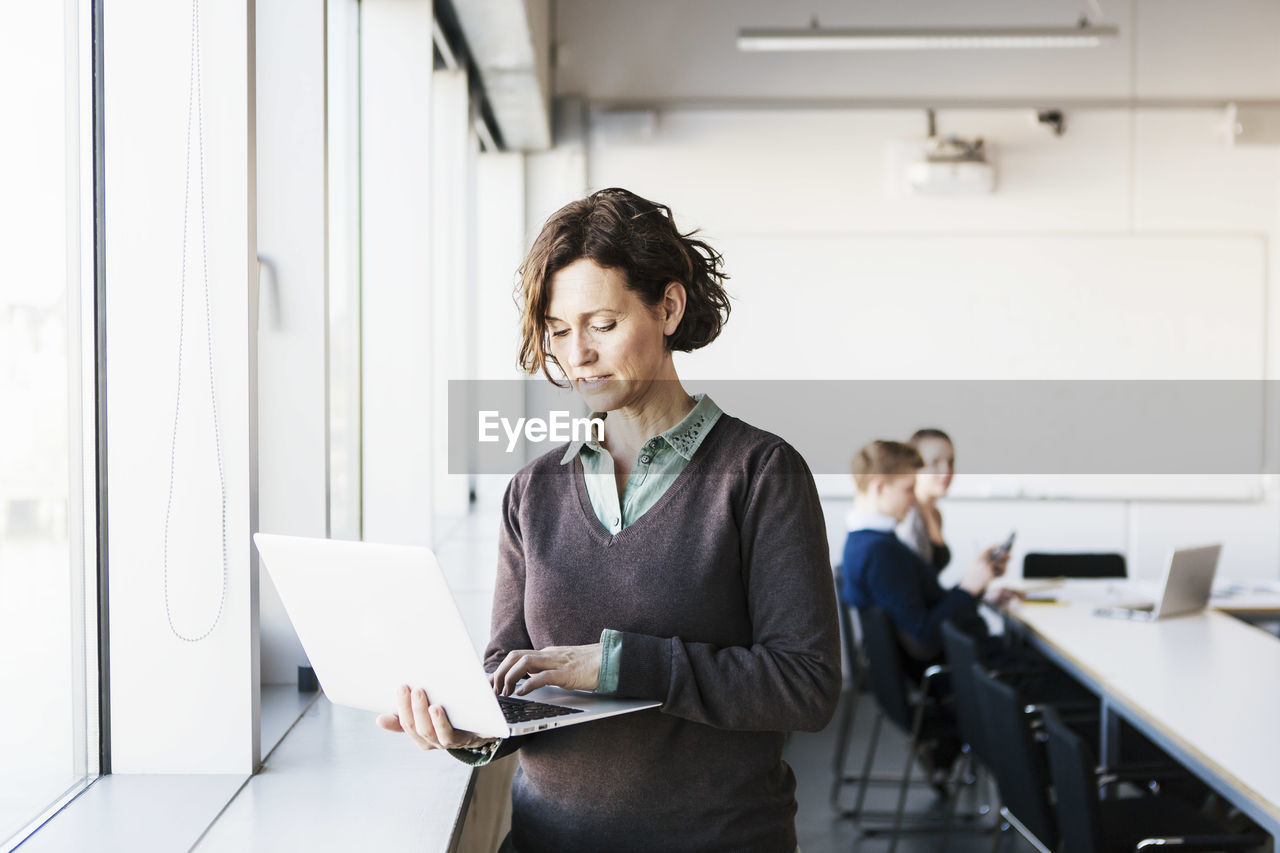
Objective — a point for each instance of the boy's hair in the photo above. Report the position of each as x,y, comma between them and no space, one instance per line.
884,459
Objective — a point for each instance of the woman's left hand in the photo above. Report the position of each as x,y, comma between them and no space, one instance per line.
570,667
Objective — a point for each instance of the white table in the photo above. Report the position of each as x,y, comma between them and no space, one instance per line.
1206,688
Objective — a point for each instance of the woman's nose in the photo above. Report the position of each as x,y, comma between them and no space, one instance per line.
580,350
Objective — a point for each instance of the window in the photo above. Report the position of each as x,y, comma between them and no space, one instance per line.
48,563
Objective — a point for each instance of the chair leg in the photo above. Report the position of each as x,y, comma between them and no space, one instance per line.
902,792
865,780
982,791
916,725
963,769
847,718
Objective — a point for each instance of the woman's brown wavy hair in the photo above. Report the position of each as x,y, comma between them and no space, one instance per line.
620,230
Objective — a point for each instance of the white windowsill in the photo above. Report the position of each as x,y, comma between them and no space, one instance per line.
335,782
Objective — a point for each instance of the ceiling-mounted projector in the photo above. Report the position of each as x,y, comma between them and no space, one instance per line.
951,166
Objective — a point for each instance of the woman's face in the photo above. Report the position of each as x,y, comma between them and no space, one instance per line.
939,465
610,345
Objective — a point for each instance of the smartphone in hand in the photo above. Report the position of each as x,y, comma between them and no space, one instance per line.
1002,550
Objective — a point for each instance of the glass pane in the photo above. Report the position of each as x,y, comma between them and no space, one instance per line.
44,749
344,269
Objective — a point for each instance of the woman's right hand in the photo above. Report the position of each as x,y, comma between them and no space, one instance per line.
427,725
981,572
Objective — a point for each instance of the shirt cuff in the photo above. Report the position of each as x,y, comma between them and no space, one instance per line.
477,756
610,655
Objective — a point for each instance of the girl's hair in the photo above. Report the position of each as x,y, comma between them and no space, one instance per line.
928,432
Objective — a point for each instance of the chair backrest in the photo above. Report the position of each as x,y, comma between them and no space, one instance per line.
963,653
850,635
1014,757
1073,566
1071,764
884,665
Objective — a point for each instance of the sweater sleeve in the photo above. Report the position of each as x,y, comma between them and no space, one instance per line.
789,677
894,582
507,629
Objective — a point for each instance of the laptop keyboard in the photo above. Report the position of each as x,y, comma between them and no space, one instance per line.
524,710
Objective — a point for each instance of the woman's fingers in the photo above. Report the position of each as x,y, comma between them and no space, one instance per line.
404,711
444,730
571,667
406,718
426,725
498,679
390,722
522,666
541,679
422,719
449,737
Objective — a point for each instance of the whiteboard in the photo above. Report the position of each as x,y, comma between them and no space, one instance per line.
1081,307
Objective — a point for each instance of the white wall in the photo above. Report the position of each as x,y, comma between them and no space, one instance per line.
180,706
780,182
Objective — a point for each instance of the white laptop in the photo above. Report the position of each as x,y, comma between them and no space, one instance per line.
374,617
1188,583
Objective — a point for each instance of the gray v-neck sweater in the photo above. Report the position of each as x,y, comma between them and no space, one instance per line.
723,594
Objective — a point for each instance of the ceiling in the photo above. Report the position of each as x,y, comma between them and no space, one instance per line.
660,54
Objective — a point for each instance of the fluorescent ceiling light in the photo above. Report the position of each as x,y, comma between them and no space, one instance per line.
922,39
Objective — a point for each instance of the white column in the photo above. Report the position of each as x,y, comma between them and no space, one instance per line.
395,92
180,706
292,352
500,246
453,214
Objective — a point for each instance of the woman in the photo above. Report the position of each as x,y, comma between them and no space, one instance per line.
921,530
682,559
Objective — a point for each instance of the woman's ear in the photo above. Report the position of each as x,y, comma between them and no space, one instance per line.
672,307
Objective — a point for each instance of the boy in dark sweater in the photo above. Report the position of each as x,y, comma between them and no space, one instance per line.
880,571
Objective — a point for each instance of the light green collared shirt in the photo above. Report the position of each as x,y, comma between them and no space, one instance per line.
660,461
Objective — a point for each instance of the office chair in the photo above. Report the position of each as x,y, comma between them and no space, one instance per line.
1017,761
1039,681
850,634
963,654
1015,744
920,717
1038,566
1090,825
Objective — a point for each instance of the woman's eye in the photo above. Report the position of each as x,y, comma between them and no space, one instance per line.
560,334
608,328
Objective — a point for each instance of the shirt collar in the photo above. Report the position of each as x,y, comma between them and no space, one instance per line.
859,520
684,438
